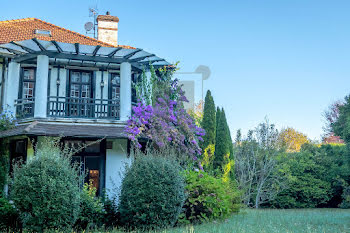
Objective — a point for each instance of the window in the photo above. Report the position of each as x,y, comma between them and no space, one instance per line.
26,92
28,83
115,86
114,94
80,93
134,78
42,32
18,152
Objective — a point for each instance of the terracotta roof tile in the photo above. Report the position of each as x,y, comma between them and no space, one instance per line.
24,29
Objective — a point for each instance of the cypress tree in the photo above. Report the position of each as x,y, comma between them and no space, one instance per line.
218,111
209,121
228,135
221,146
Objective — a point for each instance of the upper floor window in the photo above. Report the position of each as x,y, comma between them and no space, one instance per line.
28,84
80,84
114,92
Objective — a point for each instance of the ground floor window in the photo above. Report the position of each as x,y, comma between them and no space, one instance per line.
18,152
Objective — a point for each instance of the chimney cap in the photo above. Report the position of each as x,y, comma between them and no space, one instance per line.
107,17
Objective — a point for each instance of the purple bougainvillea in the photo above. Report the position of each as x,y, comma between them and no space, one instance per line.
166,122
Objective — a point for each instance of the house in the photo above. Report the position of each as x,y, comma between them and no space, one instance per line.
60,83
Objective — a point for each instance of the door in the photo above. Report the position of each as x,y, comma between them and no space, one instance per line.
80,94
92,159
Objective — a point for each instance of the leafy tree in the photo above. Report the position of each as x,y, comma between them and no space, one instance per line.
209,121
292,140
316,177
256,167
341,126
306,189
331,115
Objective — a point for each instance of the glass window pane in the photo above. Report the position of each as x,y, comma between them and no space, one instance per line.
75,77
85,91
74,90
85,77
115,79
28,90
28,74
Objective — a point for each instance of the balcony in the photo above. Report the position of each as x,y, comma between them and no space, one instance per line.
24,108
71,107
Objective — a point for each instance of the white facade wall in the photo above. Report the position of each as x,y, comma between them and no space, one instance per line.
53,82
116,160
101,94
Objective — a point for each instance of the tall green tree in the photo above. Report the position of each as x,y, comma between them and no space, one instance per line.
341,127
228,134
209,121
221,146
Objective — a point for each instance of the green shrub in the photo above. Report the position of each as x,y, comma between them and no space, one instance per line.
346,198
111,214
4,164
46,189
152,193
9,219
91,209
208,198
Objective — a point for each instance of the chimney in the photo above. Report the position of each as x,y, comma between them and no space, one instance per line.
108,28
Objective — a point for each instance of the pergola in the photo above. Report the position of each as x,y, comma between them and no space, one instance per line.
78,54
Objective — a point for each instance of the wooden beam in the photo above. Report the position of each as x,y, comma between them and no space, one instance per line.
132,53
23,47
76,45
59,49
114,52
141,58
96,50
41,47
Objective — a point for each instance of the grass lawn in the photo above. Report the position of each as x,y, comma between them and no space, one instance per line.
267,220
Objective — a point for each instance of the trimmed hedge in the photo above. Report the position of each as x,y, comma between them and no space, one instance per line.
152,194
46,190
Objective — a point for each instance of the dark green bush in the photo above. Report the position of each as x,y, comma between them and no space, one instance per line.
152,194
111,214
346,198
4,164
91,209
208,198
9,219
316,177
46,190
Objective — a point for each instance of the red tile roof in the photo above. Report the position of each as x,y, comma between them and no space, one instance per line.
24,29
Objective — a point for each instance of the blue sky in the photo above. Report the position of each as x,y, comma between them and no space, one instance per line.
287,60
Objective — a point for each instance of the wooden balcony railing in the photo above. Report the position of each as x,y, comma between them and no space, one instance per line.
24,108
71,107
